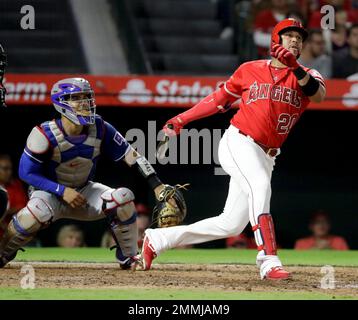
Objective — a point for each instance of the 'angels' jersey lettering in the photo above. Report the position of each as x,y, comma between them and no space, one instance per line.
271,100
277,93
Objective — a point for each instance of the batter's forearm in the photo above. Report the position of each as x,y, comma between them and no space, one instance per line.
304,81
319,95
310,86
204,108
218,101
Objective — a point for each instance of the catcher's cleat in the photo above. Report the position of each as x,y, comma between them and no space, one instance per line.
125,263
4,260
148,254
130,263
277,273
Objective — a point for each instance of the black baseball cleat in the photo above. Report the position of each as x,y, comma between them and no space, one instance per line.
4,260
130,263
125,263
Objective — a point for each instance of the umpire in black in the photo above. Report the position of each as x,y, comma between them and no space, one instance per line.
3,201
3,64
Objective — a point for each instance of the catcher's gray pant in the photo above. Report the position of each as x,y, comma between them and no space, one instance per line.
92,211
119,210
249,196
115,204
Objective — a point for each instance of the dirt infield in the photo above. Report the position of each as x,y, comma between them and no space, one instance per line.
164,276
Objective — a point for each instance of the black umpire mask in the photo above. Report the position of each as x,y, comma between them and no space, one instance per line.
3,64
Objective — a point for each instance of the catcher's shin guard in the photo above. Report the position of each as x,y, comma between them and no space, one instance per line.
23,227
119,209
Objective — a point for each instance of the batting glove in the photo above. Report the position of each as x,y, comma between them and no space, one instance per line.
284,56
173,126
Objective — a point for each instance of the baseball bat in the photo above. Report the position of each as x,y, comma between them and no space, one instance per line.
163,145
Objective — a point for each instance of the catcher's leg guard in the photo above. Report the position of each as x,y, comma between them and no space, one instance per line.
270,265
23,227
119,209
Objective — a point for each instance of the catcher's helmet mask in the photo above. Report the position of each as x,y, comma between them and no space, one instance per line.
74,99
80,102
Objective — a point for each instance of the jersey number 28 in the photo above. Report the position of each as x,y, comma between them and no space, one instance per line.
286,122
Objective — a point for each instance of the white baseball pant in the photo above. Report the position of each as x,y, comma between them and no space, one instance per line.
250,169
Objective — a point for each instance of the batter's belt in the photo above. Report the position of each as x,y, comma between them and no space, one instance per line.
272,152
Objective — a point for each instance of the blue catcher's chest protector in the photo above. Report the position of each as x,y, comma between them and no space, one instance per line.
73,160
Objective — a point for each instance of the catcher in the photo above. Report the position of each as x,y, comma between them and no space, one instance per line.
59,162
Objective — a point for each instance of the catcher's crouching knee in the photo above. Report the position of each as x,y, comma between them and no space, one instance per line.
36,215
120,202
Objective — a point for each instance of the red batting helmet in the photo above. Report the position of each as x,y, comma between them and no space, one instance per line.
285,25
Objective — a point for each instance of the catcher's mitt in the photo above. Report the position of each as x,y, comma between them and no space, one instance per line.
164,213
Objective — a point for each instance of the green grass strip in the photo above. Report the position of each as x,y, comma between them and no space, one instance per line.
196,256
157,294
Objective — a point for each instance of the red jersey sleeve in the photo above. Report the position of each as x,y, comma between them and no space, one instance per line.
218,101
234,85
315,74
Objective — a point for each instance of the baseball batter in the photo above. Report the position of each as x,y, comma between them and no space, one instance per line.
274,94
59,162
